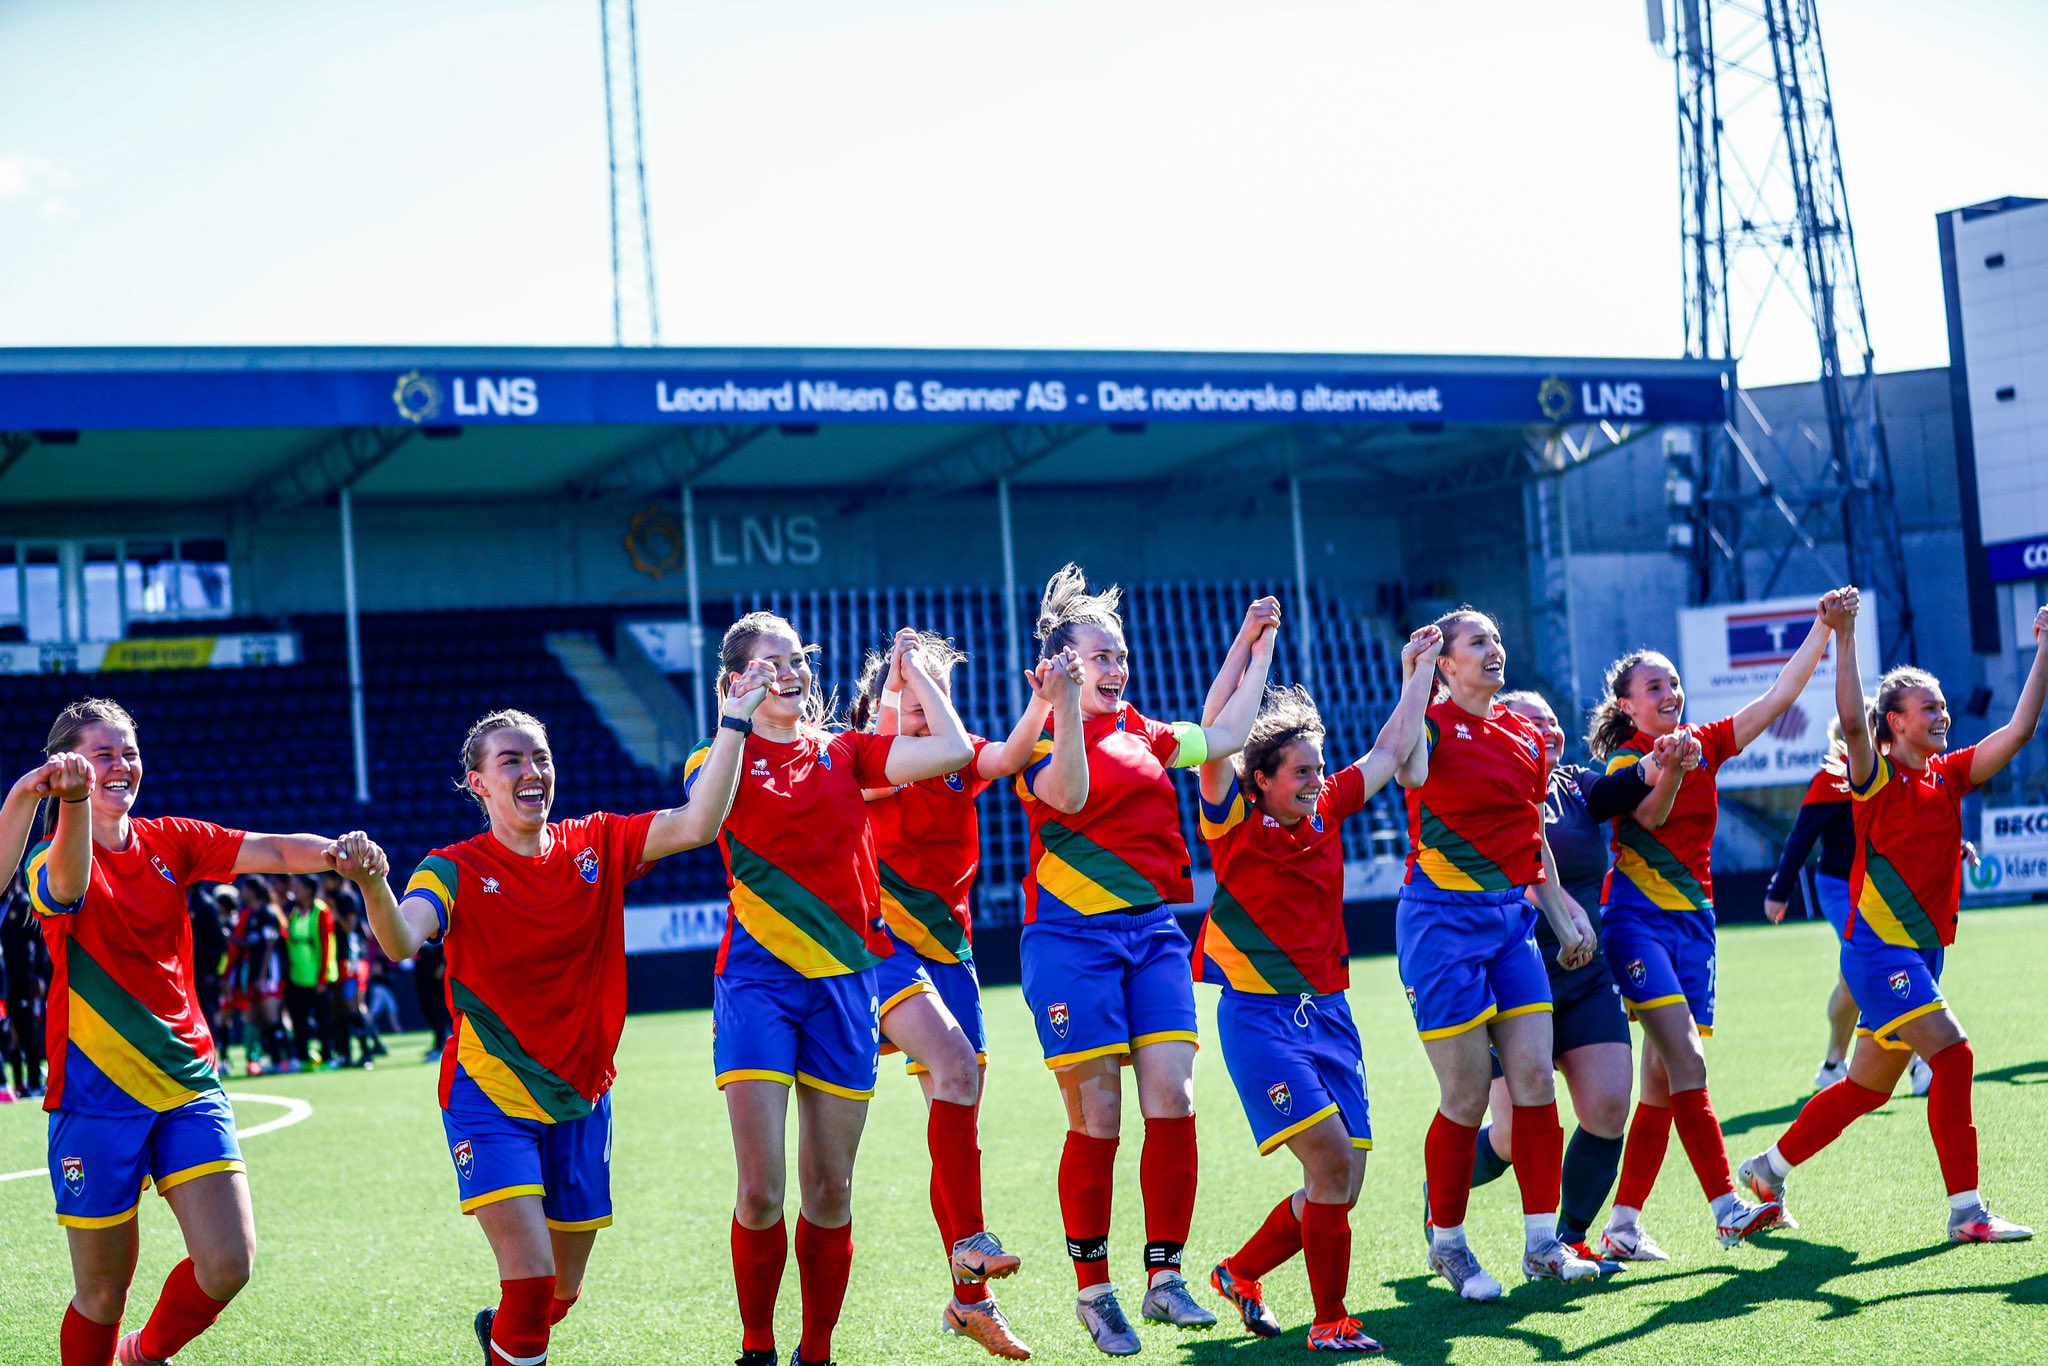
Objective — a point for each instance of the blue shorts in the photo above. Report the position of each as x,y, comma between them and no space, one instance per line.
568,1165
1295,1060
1110,986
1468,958
1833,895
1586,1009
905,974
823,1032
1892,984
101,1164
1660,958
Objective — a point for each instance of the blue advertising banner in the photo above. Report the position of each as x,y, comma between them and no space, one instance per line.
2013,560
188,399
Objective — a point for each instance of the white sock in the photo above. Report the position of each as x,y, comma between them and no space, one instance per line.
1777,1163
1096,1292
1963,1200
1624,1216
1539,1230
1724,1205
1450,1235
1159,1276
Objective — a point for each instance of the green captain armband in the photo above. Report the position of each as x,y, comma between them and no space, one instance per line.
1194,745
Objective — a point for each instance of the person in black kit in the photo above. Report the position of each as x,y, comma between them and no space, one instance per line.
429,968
1588,1024
1826,817
209,952
27,962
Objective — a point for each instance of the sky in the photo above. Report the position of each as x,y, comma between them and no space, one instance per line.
1368,176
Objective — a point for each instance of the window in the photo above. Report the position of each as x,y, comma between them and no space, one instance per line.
97,590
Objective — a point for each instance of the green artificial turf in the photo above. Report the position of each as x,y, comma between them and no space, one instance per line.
363,1256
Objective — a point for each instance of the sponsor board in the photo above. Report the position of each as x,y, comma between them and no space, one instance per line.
256,650
2012,855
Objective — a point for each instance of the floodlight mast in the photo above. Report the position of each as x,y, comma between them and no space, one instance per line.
1765,227
636,317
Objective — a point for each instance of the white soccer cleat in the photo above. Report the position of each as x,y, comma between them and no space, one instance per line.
1456,1264
1628,1243
1830,1073
1922,1075
1746,1220
1556,1262
1980,1225
1761,1179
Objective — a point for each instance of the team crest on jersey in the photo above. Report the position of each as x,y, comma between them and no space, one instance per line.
1636,972
74,1174
1535,750
954,781
1282,1098
1268,822
1901,984
586,864
1413,1009
465,1158
825,758
1315,823
1056,1016
159,865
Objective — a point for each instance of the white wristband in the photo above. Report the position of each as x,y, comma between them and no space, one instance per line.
892,699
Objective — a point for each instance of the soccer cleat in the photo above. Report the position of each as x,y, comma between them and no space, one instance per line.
1630,1244
1761,1179
1344,1335
1248,1298
755,1356
1104,1319
1922,1074
482,1324
1168,1301
985,1324
1829,1074
1428,1220
1584,1252
1980,1225
127,1352
799,1361
1456,1264
1556,1262
980,1257
6,1096
1746,1220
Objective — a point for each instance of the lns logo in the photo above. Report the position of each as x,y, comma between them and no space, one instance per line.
1594,399
502,396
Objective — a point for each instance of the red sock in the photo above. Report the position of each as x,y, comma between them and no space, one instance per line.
1447,1161
1949,1118
1279,1238
1326,1248
520,1331
1692,1114
81,1342
1087,1184
824,1261
1823,1118
558,1308
1166,1179
758,1255
1537,1142
967,1292
183,1311
1649,1134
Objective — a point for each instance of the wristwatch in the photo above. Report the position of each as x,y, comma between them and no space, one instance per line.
738,723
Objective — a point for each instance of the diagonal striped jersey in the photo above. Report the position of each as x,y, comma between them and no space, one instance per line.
1276,926
927,851
1476,825
1671,868
536,961
799,859
1123,851
125,1031
1908,878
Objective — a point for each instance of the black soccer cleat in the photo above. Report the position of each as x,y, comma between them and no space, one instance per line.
484,1319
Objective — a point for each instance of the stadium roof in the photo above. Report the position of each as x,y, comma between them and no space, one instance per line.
274,427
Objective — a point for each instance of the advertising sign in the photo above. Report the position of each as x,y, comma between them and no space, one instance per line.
2013,855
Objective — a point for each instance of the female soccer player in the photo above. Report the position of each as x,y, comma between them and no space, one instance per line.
928,850
1824,818
531,914
1658,907
1463,934
1274,941
794,1006
1904,891
1105,966
1589,1029
133,1094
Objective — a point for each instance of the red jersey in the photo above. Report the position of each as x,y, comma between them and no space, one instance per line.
1477,824
799,860
1276,926
536,961
125,1031
1123,851
927,851
1908,877
1672,867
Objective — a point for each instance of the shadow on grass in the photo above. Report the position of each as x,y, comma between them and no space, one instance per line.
1720,1295
2019,1074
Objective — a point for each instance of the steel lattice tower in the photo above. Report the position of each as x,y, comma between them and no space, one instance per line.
1768,244
636,318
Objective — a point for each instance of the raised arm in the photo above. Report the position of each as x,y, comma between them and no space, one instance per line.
1053,683
1754,719
709,800
1664,768
1397,745
1850,708
913,758
1997,749
1413,768
400,926
1063,783
69,870
1226,734
18,811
